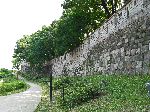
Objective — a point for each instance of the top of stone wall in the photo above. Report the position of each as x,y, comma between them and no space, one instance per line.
117,21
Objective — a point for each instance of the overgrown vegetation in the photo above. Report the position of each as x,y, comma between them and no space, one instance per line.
5,73
9,83
98,93
78,90
79,19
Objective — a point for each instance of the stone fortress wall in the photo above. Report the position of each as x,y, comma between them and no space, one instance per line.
120,45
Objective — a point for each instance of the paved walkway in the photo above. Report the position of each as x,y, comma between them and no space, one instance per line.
22,102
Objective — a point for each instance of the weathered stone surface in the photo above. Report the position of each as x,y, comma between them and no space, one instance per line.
124,48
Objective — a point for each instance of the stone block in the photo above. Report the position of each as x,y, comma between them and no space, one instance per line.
133,51
149,46
138,51
126,40
127,58
145,48
139,64
120,65
128,52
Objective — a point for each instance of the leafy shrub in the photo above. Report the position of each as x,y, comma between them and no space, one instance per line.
58,83
9,83
78,90
5,73
9,79
12,86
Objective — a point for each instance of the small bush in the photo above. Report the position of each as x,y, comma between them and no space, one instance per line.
5,73
12,86
58,83
78,90
9,83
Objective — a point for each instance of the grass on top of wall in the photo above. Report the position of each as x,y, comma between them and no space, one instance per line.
98,93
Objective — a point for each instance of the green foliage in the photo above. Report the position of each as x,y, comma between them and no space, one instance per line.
79,90
124,93
119,93
11,85
34,49
58,83
6,88
97,9
5,73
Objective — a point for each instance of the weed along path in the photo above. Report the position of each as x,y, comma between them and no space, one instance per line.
26,101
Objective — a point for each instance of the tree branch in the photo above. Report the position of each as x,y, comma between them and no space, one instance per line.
104,4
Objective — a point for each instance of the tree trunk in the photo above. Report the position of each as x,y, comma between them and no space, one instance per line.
113,7
51,79
104,4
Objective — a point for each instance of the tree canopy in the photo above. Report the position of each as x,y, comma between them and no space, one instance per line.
108,7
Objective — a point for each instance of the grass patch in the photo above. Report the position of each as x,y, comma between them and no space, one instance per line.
97,93
124,93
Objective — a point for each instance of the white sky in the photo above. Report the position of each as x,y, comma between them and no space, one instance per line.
23,17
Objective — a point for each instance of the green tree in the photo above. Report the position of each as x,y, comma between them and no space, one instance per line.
108,6
20,51
35,49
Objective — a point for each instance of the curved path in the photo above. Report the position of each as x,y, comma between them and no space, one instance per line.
22,102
